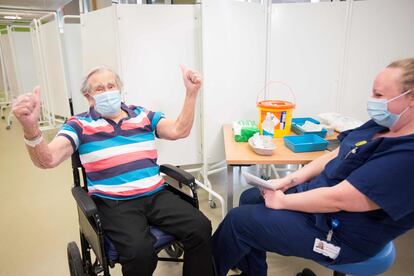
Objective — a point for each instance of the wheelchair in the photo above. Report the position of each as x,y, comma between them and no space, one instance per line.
92,237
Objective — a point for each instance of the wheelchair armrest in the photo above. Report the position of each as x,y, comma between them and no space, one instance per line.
84,202
178,174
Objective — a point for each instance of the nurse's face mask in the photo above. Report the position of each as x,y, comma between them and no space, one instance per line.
108,103
378,111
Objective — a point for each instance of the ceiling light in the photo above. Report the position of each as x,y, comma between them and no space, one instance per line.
12,17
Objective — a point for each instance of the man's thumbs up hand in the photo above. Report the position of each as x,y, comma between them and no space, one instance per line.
26,108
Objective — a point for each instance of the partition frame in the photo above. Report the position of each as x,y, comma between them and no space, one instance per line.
59,118
7,93
47,115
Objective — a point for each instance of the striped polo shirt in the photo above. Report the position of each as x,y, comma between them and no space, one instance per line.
120,159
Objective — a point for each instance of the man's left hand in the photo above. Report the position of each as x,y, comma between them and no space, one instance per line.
192,80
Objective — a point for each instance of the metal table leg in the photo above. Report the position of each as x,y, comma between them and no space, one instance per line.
230,183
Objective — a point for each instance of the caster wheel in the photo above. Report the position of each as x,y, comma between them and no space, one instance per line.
74,260
174,251
8,127
212,204
3,117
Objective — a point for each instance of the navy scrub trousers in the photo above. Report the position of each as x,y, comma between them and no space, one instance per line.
250,230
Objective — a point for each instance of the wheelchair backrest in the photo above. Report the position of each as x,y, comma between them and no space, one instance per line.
78,171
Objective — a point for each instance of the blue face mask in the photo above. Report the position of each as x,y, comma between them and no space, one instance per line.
378,111
108,103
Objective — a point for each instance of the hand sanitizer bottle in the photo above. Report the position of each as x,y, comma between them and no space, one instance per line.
268,126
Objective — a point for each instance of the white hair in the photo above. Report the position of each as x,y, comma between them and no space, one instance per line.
85,87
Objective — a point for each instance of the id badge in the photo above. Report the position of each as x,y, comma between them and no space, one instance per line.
325,248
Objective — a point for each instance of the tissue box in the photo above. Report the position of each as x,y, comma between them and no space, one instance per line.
244,129
305,143
298,122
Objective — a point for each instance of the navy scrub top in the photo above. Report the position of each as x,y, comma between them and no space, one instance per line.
383,170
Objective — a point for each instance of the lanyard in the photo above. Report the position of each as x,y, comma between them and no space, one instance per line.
355,148
334,224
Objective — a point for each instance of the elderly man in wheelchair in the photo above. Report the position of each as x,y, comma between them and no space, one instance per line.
113,148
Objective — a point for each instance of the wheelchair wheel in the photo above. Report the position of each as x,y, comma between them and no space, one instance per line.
74,260
174,251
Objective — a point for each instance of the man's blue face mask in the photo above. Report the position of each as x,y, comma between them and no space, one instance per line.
108,103
378,111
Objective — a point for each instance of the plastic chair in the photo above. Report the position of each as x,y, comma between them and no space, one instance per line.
373,266
92,237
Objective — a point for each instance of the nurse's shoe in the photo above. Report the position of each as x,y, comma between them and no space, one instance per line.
306,272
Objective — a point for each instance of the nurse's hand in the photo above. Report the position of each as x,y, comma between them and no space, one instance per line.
273,199
281,183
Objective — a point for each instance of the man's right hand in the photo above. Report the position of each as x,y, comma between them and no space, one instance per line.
26,108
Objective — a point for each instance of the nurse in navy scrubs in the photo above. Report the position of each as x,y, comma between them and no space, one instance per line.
344,206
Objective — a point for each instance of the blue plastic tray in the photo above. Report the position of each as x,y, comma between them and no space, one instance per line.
298,122
305,143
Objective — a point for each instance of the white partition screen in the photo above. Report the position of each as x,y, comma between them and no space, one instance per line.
9,65
25,64
380,32
53,59
37,54
331,52
74,66
154,41
99,39
306,50
234,52
2,80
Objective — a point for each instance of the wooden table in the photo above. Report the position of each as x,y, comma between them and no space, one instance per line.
241,154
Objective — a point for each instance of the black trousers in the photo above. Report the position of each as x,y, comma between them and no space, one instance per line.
126,222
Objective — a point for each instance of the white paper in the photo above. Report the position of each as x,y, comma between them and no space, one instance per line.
257,181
